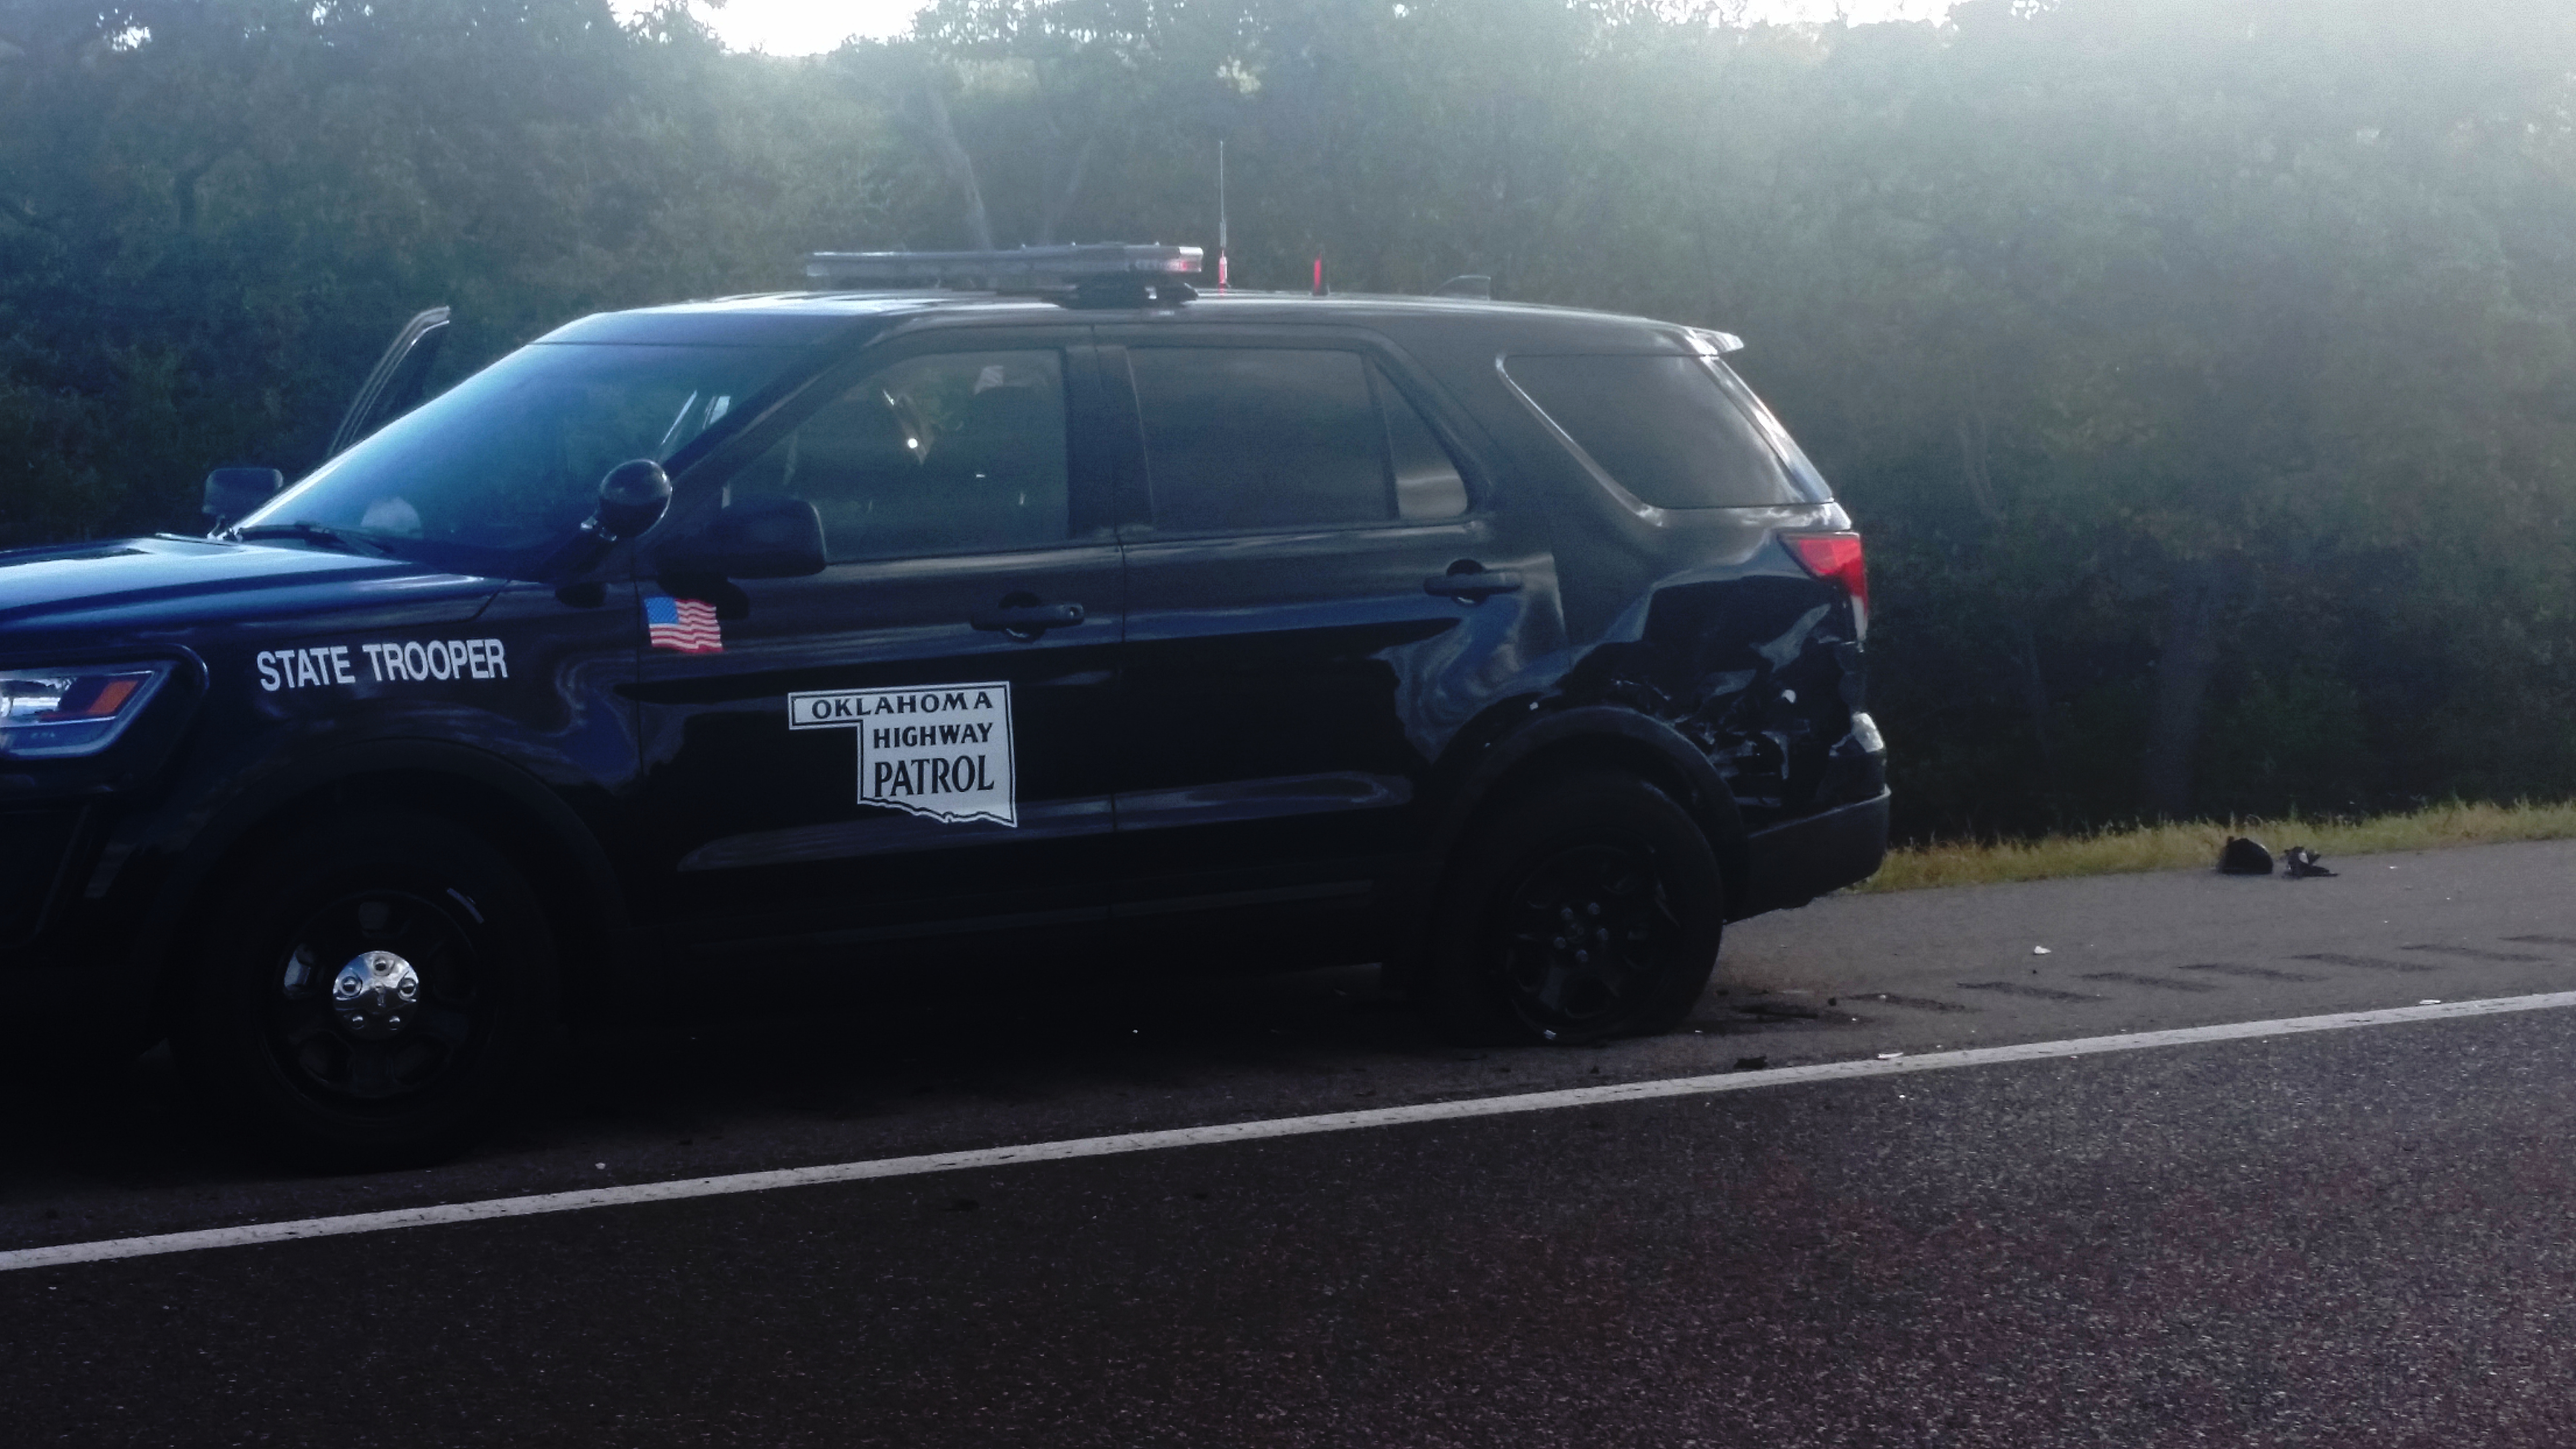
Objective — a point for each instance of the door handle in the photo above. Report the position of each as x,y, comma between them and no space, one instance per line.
1026,621
1473,584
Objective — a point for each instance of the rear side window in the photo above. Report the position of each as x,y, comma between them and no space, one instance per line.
1254,438
1427,481
1664,428
948,454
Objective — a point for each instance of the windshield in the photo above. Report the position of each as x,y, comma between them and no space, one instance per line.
495,474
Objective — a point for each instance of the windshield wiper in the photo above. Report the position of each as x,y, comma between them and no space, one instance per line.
310,532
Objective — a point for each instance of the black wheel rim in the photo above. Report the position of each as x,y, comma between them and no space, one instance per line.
1587,935
331,1065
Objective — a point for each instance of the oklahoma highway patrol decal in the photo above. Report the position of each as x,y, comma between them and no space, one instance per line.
943,752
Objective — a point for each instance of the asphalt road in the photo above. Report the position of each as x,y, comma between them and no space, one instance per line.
2354,1237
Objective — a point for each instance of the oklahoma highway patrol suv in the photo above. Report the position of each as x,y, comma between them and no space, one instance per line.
1064,616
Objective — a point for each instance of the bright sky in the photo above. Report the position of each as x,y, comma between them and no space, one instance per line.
804,27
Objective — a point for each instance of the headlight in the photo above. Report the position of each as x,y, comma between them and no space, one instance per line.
50,713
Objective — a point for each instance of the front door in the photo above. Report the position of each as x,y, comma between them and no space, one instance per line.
909,749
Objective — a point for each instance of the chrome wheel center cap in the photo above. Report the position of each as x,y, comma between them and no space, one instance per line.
374,994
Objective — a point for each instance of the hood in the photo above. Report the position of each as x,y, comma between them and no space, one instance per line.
135,590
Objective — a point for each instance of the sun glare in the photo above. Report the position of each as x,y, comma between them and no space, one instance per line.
810,27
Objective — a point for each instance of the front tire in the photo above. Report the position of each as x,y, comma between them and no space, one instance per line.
1589,907
374,991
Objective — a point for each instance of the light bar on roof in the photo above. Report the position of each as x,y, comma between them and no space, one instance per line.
1019,265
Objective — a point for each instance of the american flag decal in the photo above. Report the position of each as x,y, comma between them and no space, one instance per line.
686,625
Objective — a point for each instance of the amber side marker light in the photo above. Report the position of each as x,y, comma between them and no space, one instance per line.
95,697
1835,556
73,710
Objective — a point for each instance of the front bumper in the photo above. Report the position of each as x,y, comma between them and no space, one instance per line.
1794,862
58,1012
38,847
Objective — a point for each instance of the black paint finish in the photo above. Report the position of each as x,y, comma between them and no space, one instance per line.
1267,737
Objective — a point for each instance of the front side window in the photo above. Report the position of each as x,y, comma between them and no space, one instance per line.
1664,428
946,454
1266,438
494,475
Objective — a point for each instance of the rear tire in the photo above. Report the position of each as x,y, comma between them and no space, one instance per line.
1588,908
366,1078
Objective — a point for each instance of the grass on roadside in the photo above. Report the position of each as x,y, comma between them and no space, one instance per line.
2171,847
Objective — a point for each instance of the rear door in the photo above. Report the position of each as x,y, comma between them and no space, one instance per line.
1316,602
911,747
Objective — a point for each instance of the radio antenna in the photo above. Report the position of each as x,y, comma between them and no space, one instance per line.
1220,215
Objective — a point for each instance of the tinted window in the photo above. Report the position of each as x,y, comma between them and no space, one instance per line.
955,453
1427,483
1791,455
498,472
1662,427
1255,438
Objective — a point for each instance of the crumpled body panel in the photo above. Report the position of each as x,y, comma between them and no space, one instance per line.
1764,672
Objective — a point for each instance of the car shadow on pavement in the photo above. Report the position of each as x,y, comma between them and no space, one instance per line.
870,1073
769,1076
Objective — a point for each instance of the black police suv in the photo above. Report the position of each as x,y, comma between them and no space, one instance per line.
1082,618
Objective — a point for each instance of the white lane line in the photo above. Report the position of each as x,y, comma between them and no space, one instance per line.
600,1197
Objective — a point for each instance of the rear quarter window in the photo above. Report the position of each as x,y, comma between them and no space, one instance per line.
1669,429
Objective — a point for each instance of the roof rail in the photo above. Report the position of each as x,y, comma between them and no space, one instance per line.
1015,269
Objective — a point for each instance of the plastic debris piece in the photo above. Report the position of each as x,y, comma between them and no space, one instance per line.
2430,1001
2300,863
2243,855
1889,1056
2039,950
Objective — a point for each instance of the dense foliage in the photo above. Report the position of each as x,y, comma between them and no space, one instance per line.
2201,370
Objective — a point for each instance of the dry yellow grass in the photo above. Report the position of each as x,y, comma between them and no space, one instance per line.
2172,847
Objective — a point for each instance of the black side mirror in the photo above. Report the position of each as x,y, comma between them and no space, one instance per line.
233,492
632,498
759,538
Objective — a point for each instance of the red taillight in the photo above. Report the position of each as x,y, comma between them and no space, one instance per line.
1834,556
